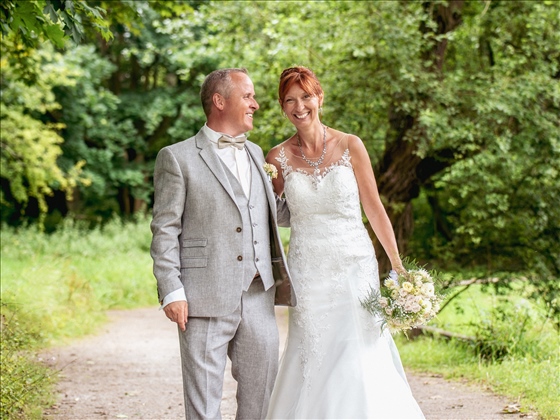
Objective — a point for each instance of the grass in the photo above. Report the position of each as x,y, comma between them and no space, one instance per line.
527,371
67,280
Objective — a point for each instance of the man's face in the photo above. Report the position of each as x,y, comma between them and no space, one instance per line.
240,106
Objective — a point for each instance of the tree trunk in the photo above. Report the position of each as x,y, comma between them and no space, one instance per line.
138,203
401,172
398,185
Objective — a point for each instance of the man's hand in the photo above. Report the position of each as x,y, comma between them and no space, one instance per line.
178,312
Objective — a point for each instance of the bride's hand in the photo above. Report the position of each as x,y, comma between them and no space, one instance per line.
398,268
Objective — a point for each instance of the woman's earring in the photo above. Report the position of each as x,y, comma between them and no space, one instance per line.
321,110
284,114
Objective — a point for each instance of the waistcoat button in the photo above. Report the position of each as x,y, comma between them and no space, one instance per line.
239,229
240,258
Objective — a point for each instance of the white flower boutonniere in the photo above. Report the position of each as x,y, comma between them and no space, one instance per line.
270,170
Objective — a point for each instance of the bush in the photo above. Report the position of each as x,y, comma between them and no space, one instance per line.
511,330
26,384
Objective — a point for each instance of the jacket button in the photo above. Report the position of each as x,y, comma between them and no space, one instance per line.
239,229
240,258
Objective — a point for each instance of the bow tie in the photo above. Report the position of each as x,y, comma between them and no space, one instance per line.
226,141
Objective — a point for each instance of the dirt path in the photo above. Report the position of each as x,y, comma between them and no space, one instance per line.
131,370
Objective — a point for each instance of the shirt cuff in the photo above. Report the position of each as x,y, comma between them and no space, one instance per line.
174,296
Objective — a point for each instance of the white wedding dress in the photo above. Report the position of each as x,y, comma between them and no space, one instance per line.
336,364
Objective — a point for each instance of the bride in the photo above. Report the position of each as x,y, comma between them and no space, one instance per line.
337,363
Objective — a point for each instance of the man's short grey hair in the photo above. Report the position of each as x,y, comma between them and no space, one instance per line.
219,81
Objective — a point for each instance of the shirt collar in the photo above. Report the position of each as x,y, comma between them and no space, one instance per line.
211,134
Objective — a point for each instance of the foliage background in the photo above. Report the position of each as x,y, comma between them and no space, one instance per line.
457,102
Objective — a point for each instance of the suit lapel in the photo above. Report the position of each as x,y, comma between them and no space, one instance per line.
213,162
255,153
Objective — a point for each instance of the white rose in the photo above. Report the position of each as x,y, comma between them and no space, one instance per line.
427,306
390,283
428,289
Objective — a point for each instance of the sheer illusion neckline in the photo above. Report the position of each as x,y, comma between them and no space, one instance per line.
316,175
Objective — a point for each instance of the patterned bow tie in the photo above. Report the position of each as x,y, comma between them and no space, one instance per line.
226,141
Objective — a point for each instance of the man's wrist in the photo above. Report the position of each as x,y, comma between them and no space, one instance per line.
175,296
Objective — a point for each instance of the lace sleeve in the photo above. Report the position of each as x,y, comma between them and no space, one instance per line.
286,169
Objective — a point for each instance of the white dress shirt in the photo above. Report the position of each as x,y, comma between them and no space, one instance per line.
237,161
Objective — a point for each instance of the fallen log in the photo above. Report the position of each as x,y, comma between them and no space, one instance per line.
447,334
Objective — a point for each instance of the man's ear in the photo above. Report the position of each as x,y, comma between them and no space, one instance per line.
219,101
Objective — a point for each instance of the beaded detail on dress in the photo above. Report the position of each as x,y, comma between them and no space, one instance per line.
317,175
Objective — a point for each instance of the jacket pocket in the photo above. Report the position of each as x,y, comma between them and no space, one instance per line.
195,243
194,253
194,262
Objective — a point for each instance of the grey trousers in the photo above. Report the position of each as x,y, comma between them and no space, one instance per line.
249,336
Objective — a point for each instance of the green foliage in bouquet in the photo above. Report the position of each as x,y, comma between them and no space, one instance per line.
406,300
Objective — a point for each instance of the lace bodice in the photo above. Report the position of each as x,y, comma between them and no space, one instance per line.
320,198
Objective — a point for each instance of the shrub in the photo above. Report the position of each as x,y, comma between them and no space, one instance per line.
26,383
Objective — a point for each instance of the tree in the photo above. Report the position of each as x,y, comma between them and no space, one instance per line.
457,103
30,144
126,107
30,147
100,117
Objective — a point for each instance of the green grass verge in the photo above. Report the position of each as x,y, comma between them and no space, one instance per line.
58,286
527,369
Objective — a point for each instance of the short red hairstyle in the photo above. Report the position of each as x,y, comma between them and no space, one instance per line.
304,77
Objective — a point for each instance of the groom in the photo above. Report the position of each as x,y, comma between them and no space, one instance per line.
217,253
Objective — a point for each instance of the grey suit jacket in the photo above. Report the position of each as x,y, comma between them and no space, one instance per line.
194,227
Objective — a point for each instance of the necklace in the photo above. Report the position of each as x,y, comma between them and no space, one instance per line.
322,157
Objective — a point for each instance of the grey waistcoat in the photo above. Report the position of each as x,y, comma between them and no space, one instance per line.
254,213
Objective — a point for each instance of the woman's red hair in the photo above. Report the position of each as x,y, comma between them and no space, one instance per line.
304,77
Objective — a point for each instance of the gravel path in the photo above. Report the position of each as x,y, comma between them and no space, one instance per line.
131,370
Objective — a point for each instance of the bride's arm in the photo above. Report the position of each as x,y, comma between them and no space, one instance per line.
371,202
282,210
278,182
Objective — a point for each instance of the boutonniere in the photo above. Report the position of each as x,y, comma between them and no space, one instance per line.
270,170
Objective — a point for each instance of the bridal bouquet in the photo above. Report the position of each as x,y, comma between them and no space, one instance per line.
405,300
